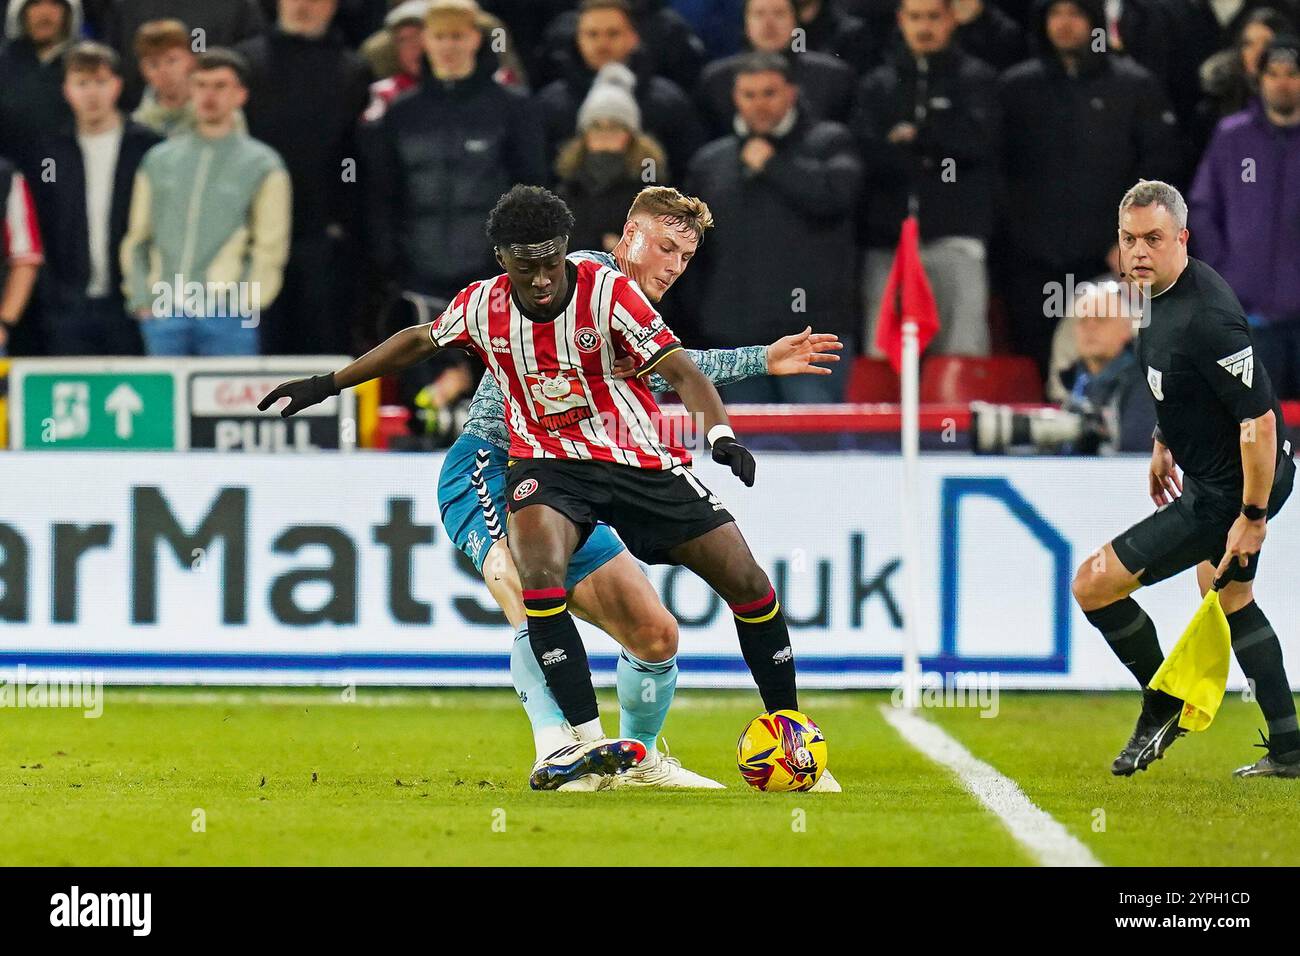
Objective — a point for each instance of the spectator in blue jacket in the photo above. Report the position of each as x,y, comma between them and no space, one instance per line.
1244,211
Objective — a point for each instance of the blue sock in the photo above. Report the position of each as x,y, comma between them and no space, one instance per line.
549,733
645,692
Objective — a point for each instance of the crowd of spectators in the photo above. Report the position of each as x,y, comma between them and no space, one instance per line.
221,177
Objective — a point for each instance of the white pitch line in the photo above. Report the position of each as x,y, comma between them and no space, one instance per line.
1036,829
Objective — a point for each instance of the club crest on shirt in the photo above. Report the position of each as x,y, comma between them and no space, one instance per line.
1154,381
558,398
588,340
1241,365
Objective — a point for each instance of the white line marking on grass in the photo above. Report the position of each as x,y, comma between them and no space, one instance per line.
1037,830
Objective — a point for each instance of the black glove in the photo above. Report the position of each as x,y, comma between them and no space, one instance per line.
301,392
727,451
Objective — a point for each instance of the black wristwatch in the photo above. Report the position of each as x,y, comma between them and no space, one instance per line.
1254,512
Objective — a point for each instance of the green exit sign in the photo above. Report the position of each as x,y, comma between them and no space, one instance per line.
80,410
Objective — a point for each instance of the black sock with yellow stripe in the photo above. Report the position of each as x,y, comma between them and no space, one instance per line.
559,651
765,644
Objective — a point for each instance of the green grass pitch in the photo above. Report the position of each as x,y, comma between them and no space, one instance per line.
409,777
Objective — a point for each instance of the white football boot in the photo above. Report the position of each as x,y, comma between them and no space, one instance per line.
826,784
607,756
661,771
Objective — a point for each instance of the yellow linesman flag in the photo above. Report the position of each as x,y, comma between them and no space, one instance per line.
1196,670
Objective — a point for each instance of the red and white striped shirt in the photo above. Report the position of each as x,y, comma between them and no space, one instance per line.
562,400
22,238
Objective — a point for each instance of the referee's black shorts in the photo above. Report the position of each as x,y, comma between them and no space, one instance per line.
653,511
1193,528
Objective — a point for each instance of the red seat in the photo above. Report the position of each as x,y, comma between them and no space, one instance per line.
872,380
998,378
393,423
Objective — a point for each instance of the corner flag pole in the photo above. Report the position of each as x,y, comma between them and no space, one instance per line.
909,498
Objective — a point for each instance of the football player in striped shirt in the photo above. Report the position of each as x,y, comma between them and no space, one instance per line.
606,585
587,447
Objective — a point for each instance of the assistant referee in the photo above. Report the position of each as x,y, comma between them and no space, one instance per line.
1219,421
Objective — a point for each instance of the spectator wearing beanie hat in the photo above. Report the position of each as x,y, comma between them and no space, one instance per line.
607,34
602,169
396,53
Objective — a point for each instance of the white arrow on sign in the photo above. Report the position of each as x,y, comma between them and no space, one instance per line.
124,402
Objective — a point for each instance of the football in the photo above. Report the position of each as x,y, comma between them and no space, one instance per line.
781,751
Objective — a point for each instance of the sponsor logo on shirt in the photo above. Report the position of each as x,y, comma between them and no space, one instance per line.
644,336
499,344
1154,381
558,398
1241,365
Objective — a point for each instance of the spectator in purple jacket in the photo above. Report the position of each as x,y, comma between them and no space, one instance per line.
1245,211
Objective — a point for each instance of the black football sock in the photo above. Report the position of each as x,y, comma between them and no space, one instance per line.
559,651
765,644
1132,636
1260,655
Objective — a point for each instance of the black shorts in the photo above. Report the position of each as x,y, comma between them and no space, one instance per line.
1193,528
652,511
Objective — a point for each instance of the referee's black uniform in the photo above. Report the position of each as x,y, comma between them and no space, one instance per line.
1196,352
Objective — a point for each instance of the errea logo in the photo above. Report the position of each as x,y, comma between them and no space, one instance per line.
1241,365
499,344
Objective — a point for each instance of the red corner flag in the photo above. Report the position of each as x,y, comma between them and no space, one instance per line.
907,293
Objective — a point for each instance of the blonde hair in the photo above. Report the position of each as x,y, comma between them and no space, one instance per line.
468,9
679,209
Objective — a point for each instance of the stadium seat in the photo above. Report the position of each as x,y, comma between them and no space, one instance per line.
393,423
872,380
998,378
